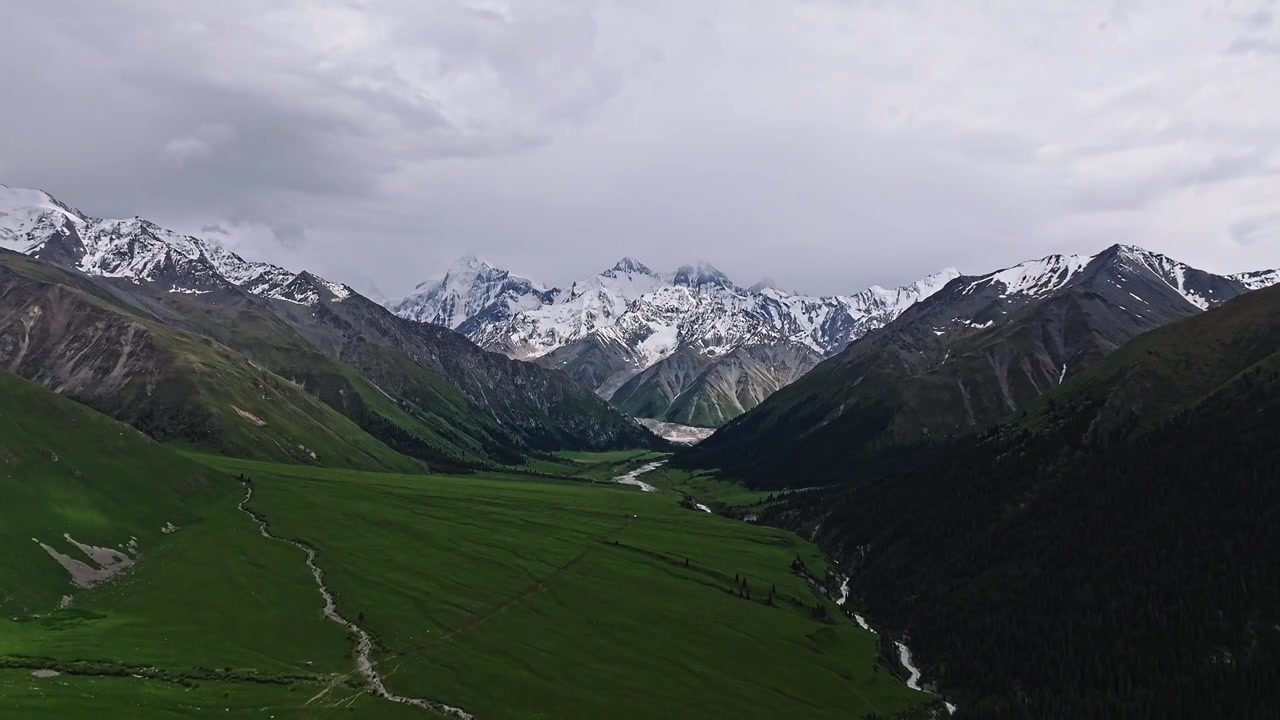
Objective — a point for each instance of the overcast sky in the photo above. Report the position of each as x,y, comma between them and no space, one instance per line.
829,144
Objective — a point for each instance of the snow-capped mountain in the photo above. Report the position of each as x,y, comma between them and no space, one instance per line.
473,289
610,328
35,223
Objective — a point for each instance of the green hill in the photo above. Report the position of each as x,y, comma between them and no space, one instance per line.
107,349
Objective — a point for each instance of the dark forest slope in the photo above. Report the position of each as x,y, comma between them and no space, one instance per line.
1110,553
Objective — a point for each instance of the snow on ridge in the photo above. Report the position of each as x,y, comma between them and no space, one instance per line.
1172,272
649,314
23,200
140,250
340,291
1036,278
1258,279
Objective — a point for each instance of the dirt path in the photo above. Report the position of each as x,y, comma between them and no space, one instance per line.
364,641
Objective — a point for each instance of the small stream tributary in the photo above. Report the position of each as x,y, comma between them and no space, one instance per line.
364,641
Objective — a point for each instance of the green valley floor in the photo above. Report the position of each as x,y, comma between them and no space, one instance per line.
550,595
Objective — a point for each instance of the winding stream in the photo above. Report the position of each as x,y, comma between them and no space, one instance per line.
904,654
632,478
364,641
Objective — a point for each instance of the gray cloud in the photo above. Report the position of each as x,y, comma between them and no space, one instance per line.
1248,44
831,145
1254,230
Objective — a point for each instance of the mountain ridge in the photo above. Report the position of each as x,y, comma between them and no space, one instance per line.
626,322
971,354
302,325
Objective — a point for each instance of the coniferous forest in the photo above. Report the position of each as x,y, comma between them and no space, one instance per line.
1090,559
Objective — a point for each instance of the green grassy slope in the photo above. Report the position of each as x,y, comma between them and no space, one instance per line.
67,469
63,331
425,417
514,597
210,614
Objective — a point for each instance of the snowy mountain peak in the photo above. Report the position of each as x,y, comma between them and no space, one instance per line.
471,263
627,266
472,288
14,199
1195,286
701,275
29,218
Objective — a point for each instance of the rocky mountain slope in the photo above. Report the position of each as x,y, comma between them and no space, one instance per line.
1101,554
405,389
969,356
688,346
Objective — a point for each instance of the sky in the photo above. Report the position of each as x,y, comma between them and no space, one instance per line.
826,144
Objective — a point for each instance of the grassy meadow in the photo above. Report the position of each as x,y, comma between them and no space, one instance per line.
545,593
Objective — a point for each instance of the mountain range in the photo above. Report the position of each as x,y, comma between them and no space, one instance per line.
687,346
970,355
190,342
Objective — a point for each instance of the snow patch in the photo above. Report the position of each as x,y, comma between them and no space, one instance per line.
1036,278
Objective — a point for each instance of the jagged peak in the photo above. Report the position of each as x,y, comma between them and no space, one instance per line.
471,262
628,265
700,274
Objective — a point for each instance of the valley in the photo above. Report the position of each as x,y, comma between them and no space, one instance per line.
597,360
501,595
234,489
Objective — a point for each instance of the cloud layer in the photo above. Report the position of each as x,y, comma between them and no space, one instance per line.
830,144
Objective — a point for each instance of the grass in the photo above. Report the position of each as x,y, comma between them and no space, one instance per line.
128,698
515,597
706,488
65,469
510,595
